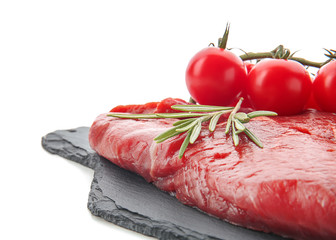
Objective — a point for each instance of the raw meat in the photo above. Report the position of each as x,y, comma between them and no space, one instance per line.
288,187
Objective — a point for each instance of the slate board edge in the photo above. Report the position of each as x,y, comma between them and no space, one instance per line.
120,216
137,222
68,150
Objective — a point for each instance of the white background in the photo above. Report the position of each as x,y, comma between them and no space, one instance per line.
64,62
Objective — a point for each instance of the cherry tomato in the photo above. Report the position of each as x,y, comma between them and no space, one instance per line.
324,87
311,103
248,66
246,103
215,76
279,85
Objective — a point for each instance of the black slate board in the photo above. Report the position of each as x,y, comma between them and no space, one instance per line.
126,199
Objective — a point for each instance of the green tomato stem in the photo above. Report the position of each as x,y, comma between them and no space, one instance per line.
310,63
280,51
223,41
252,55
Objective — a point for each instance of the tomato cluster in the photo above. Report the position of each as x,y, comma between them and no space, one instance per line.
216,76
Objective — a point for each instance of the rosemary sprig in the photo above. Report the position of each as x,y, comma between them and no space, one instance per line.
192,117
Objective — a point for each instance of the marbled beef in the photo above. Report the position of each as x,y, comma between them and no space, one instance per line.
288,187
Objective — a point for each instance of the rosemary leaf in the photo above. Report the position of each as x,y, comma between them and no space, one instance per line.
166,135
242,117
253,137
228,124
239,125
199,108
169,133
133,116
185,144
213,121
179,122
235,136
195,131
187,127
179,115
261,113
238,131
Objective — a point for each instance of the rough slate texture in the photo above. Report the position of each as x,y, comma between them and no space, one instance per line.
126,199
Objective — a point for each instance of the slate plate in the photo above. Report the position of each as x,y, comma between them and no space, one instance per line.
127,200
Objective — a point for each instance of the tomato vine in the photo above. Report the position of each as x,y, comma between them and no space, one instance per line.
278,81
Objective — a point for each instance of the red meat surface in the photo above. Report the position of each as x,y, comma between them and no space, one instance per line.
288,187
